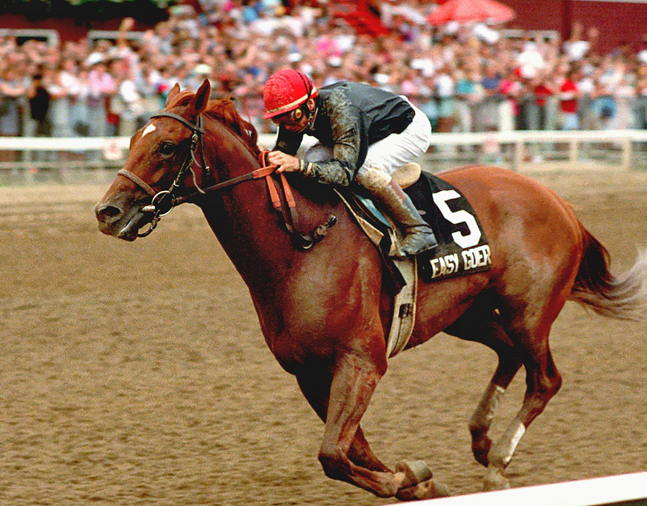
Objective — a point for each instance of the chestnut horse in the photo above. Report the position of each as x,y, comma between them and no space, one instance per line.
324,310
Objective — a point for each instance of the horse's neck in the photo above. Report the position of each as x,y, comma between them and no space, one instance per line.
245,223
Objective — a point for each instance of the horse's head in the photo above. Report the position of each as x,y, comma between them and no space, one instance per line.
166,160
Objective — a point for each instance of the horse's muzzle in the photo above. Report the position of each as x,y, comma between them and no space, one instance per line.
114,221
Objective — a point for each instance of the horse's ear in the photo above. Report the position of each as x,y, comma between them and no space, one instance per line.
172,94
201,98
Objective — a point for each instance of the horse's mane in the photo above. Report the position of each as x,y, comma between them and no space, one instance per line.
224,110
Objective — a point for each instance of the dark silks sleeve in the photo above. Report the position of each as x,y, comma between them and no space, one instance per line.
288,142
349,144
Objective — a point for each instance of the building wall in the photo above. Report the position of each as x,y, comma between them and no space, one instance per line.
67,28
617,21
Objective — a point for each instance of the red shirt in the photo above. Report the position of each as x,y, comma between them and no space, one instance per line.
569,105
541,92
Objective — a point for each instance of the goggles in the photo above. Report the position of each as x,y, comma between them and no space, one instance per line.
293,116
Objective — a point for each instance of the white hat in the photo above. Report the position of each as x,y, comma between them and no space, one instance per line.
334,61
93,59
202,68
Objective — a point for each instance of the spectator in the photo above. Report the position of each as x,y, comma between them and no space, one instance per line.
13,87
102,87
586,88
543,90
59,84
510,89
625,94
530,60
608,79
39,99
79,109
577,48
469,92
412,60
569,96
640,109
488,111
444,87
128,104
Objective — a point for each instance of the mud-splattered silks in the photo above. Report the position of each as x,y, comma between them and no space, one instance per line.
350,118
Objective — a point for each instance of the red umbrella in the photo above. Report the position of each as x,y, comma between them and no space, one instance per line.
468,11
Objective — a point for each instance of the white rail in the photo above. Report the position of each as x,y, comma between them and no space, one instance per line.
520,151
625,489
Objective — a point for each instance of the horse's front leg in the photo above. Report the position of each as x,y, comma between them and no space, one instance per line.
353,382
315,385
345,454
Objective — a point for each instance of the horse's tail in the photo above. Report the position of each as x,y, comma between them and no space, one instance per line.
622,297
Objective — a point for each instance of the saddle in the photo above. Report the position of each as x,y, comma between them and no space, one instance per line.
462,249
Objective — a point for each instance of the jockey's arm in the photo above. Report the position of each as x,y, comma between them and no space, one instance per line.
341,169
349,150
288,142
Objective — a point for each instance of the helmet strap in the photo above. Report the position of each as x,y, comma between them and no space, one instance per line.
309,86
311,114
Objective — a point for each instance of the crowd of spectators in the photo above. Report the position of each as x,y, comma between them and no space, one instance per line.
465,78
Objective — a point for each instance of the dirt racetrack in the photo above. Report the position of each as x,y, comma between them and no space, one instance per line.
136,373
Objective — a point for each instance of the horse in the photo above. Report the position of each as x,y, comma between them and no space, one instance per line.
319,289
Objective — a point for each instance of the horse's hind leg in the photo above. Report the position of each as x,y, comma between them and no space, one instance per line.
542,383
480,323
483,416
361,454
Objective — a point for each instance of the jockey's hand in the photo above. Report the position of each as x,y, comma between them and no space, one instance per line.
286,163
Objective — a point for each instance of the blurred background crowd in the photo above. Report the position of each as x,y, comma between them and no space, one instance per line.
465,78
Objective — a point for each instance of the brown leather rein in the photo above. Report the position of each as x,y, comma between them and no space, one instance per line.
164,201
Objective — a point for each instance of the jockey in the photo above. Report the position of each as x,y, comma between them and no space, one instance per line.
371,132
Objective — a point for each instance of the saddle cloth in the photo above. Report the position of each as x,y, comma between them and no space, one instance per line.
462,245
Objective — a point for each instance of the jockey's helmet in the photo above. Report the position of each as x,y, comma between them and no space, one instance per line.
286,90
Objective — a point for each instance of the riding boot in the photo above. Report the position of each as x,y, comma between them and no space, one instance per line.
419,236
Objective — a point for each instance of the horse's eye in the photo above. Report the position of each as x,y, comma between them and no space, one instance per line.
167,148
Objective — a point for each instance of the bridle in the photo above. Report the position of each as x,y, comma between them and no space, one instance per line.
163,202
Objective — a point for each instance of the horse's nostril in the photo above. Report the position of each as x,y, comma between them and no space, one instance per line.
108,212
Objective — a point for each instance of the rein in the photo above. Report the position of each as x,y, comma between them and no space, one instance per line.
164,201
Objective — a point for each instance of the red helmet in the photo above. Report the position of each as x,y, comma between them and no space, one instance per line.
285,91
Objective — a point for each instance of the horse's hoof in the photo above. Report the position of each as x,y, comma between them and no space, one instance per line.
481,449
415,471
429,489
495,480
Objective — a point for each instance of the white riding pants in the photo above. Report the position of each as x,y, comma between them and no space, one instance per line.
397,150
